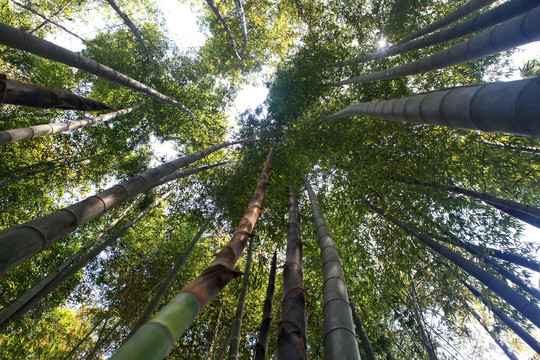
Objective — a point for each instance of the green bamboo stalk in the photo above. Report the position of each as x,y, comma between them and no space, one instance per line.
155,339
47,20
216,331
189,171
131,25
261,347
339,336
516,328
15,92
292,338
67,272
465,10
505,36
364,339
494,336
501,13
20,242
527,213
237,322
166,283
424,335
512,297
10,310
16,135
18,39
504,107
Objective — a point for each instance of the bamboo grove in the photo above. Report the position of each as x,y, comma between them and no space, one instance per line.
381,193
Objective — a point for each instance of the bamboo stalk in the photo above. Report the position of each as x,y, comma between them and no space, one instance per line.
463,11
339,336
504,107
21,242
292,338
512,297
155,339
18,39
364,339
216,11
505,36
21,134
501,13
15,92
261,347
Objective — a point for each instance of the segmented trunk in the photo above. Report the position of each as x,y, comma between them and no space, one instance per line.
155,339
237,322
512,297
462,12
339,336
364,339
292,338
15,92
52,22
18,39
494,336
35,290
166,283
47,20
509,107
31,298
261,348
526,213
523,29
225,26
190,171
498,267
424,336
15,135
518,330
20,242
480,22
242,17
131,25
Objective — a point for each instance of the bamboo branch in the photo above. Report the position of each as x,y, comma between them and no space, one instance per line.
225,26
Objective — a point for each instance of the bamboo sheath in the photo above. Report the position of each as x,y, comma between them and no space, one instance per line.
512,297
292,337
465,10
261,347
18,39
19,243
505,107
62,276
339,339
155,339
15,92
501,13
505,36
516,328
16,135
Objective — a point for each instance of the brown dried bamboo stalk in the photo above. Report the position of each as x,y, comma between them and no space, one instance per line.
15,92
292,338
155,339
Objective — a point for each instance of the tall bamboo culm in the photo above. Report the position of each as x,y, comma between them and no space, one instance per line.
506,107
155,339
339,336
292,338
261,347
20,242
20,40
236,331
16,135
